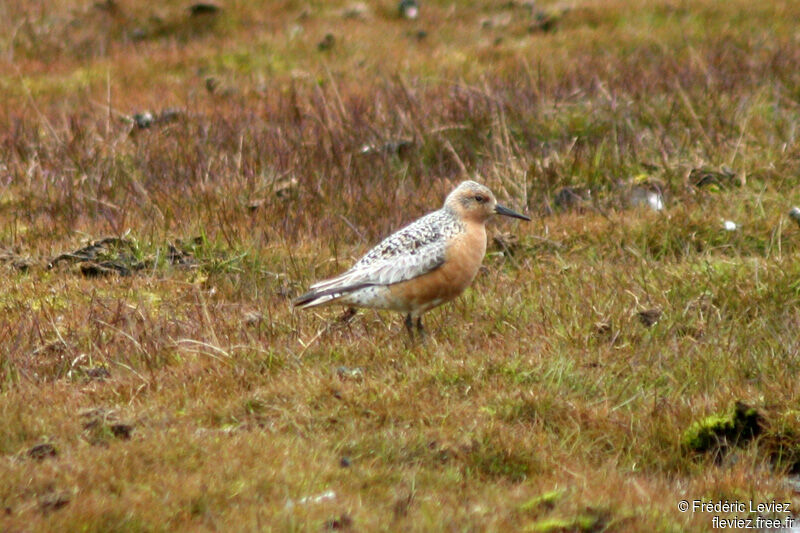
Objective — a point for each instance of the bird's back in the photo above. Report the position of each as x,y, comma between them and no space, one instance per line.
426,236
410,252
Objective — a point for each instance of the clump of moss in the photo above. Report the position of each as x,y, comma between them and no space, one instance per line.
719,432
547,500
589,520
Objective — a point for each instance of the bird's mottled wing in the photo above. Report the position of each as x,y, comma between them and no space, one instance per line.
411,252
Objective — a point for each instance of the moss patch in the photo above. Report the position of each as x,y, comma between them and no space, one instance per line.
719,432
546,500
590,520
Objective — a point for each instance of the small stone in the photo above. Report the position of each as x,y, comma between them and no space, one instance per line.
212,84
121,431
643,196
204,8
343,522
344,373
408,9
42,451
98,372
251,318
326,43
602,328
143,120
794,214
344,462
53,502
730,225
649,317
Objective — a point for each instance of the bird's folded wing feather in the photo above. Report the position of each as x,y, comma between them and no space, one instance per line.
413,251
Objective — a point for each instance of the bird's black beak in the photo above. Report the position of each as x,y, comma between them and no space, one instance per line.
500,210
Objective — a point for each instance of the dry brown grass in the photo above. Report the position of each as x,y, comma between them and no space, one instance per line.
540,401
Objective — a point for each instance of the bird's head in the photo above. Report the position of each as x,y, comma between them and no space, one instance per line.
473,201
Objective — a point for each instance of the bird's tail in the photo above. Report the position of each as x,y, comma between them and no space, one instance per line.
312,299
322,296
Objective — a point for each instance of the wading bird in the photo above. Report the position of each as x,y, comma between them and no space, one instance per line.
421,266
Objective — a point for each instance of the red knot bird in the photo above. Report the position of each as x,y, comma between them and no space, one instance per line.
425,264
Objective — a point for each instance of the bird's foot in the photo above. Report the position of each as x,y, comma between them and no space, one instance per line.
411,325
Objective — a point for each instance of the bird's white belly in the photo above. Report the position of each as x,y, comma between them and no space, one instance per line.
378,297
381,297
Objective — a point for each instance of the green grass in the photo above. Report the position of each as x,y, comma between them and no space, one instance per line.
540,400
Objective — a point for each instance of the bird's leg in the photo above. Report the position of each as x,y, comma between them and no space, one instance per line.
410,326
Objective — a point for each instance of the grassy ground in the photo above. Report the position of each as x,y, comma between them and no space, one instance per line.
160,381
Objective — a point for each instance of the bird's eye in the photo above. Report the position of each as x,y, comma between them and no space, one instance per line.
480,199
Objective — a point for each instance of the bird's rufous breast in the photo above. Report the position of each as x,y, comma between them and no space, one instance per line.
463,257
